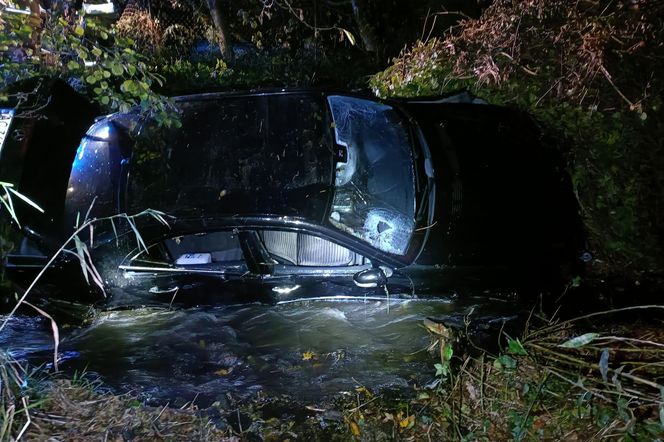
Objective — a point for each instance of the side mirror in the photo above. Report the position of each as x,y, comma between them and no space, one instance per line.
369,278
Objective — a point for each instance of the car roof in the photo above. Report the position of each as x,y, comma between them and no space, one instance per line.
237,154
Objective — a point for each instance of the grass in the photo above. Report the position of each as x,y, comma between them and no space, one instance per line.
73,410
556,382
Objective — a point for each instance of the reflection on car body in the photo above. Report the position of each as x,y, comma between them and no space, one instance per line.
282,195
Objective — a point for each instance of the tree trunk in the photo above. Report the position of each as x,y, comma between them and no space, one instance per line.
223,37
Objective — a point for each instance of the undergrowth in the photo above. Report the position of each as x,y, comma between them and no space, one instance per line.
588,71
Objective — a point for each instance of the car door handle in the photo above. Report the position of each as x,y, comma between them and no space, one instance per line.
160,291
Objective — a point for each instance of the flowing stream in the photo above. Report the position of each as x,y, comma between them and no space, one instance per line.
308,350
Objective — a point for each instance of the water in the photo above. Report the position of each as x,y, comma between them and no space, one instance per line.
308,350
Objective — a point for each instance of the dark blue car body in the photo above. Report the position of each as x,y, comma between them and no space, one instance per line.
282,195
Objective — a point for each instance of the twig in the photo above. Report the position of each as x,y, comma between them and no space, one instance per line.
608,78
352,410
620,338
27,415
582,363
561,325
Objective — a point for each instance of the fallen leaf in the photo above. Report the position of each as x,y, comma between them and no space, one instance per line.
308,355
354,428
580,341
222,372
407,422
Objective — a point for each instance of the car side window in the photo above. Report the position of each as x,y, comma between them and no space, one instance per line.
212,251
301,249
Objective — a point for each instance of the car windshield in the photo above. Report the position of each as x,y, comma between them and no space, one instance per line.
374,194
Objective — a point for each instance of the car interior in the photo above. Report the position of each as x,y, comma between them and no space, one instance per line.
300,249
285,247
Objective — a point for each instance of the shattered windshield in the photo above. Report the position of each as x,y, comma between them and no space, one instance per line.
374,195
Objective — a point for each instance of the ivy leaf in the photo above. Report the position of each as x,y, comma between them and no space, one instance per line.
580,341
78,30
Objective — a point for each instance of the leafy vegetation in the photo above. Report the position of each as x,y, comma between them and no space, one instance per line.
588,72
95,59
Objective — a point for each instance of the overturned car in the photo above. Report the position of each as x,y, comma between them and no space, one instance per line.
282,195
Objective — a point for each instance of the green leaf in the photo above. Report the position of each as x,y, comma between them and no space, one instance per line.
91,79
580,341
96,52
72,65
78,30
447,352
128,86
105,100
116,69
441,369
506,362
516,347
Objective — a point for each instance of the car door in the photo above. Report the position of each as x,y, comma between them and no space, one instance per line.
306,266
205,268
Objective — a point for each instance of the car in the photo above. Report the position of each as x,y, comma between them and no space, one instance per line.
283,195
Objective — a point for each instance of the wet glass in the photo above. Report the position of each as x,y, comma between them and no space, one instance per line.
374,196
